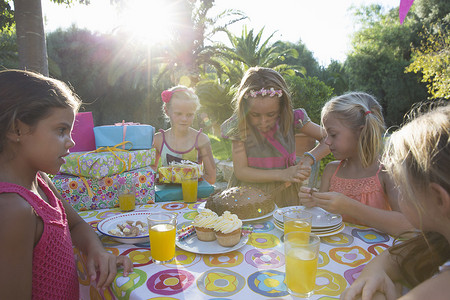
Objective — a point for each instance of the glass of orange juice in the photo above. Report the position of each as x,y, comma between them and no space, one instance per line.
127,197
297,220
162,231
189,186
301,251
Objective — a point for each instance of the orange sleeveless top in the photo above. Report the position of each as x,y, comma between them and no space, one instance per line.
368,191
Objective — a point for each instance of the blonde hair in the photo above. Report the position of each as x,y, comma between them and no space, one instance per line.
360,110
181,92
419,154
255,79
416,155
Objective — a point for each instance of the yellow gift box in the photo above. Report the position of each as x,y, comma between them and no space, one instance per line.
178,171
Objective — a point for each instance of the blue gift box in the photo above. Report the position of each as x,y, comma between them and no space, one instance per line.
173,192
140,135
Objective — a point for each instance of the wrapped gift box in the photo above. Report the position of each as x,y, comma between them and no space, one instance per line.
140,136
102,164
91,193
177,171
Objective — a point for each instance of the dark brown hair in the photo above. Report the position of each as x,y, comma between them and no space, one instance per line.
28,97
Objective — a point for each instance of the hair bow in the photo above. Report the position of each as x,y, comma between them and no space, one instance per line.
166,96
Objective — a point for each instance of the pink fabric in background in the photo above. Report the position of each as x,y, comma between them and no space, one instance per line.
405,5
83,132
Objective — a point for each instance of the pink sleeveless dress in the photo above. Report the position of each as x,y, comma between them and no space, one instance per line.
54,270
368,191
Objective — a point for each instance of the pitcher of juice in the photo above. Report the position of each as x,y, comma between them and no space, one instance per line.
162,231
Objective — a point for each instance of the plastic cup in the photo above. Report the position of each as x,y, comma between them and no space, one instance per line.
162,232
127,197
297,220
189,186
301,252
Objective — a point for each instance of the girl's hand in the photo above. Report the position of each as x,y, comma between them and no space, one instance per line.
297,173
305,196
105,264
366,286
332,202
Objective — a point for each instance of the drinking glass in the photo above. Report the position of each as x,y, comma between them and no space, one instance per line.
189,185
301,252
297,220
127,197
162,231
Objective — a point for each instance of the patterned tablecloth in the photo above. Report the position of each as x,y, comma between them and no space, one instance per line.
255,271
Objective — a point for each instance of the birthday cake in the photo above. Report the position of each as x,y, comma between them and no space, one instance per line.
245,202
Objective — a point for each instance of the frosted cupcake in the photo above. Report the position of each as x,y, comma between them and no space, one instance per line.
228,229
204,225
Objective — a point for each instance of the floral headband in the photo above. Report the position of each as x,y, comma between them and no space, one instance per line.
264,92
167,95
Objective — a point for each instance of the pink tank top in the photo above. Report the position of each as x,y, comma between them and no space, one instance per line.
169,154
54,270
368,191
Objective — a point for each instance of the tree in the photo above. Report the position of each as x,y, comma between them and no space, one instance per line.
31,44
432,59
381,51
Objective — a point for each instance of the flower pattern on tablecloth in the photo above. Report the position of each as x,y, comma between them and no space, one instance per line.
264,259
220,282
269,283
184,258
351,274
377,249
170,282
263,227
123,286
174,206
139,256
350,256
329,283
263,240
225,260
341,239
370,236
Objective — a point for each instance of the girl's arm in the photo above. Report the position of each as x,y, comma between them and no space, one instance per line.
17,239
313,130
245,173
378,276
157,143
207,158
87,241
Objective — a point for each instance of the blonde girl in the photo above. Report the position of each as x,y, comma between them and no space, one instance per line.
418,158
262,131
181,141
37,229
355,185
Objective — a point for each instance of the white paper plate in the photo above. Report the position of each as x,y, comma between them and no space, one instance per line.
321,218
108,224
314,229
320,234
202,207
192,244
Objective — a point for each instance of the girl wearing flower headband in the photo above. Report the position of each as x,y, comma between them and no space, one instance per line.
262,130
181,141
355,185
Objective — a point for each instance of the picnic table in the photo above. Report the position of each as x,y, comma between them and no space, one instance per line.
254,271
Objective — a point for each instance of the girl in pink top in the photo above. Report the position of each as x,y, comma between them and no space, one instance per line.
37,229
356,185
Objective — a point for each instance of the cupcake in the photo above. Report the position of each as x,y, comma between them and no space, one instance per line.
204,225
228,229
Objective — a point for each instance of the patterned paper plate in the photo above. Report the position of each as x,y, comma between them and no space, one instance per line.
106,225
